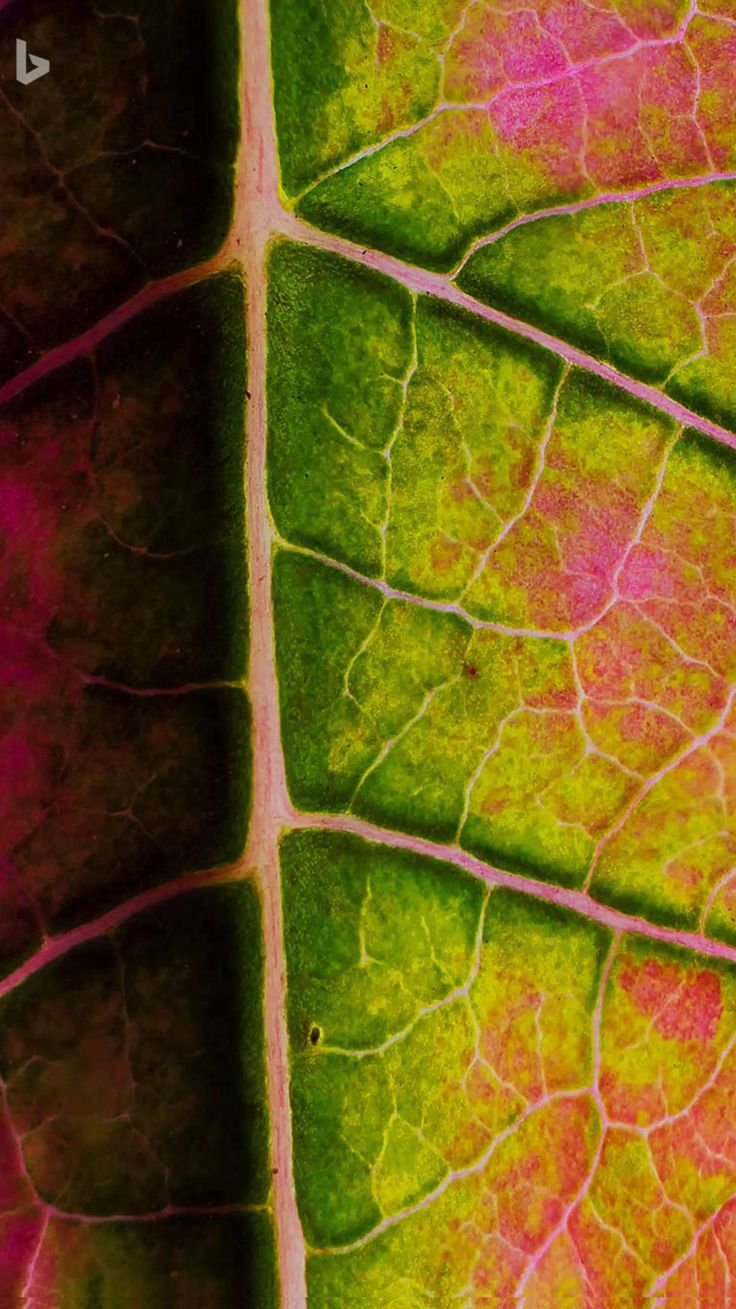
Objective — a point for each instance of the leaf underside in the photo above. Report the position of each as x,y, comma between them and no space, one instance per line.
500,504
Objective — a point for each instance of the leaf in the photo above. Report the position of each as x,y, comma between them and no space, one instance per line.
367,890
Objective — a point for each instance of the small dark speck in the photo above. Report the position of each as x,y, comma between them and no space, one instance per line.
470,670
314,1035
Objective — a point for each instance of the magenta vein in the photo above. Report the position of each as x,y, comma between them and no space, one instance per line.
160,1215
54,947
87,341
659,1287
593,202
577,901
422,282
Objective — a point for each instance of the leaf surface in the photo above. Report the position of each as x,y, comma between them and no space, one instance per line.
134,1122
134,1090
495,1099
501,480
117,168
367,909
430,131
536,660
647,284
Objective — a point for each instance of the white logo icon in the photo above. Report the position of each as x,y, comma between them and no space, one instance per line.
28,68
